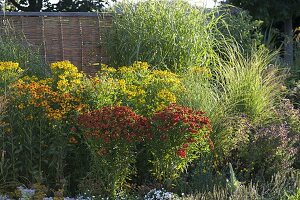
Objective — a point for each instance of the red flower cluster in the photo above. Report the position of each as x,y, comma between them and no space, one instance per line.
181,124
114,123
193,121
181,153
175,125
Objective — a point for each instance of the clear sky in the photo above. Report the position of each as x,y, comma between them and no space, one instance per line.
206,3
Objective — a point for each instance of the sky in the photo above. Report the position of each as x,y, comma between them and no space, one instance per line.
206,3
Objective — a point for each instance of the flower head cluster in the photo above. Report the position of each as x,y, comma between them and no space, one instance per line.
161,194
137,66
66,76
181,126
10,66
26,193
179,135
39,94
163,96
111,124
9,72
145,90
63,66
190,120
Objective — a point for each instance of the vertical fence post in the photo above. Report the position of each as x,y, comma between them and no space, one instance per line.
61,38
81,47
43,38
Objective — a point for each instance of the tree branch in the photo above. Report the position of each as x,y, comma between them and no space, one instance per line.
40,5
23,8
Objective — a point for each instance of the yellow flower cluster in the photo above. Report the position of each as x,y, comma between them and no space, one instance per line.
66,75
143,89
135,67
164,96
39,94
10,66
63,66
9,71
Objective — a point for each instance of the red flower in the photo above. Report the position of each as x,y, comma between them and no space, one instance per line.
181,153
113,124
185,145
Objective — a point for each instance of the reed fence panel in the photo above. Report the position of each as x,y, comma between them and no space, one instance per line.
77,37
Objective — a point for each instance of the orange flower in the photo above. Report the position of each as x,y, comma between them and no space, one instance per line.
72,140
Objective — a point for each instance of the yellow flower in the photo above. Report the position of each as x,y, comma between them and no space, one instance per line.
63,66
44,103
21,106
7,66
31,102
105,68
166,95
62,85
138,65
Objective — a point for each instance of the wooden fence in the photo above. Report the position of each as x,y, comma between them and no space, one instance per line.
77,37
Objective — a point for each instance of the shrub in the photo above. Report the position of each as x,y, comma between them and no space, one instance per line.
260,150
180,135
232,136
142,89
66,76
112,134
167,34
241,85
270,150
36,146
253,85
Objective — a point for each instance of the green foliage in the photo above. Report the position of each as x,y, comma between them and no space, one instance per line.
9,73
271,149
242,85
167,34
251,87
112,134
282,186
180,135
295,196
240,25
77,6
61,6
269,10
258,151
233,184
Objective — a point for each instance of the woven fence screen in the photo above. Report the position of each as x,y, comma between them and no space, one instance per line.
77,37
